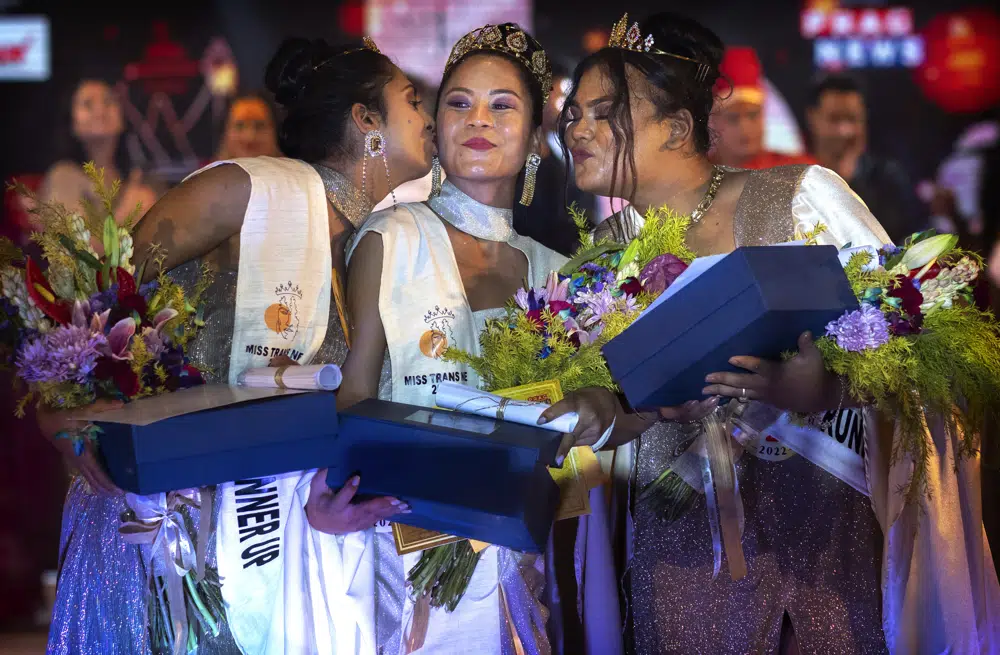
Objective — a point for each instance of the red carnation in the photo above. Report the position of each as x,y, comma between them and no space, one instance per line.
907,293
126,283
631,286
535,316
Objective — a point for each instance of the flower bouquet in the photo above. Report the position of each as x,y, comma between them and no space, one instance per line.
556,332
919,345
78,326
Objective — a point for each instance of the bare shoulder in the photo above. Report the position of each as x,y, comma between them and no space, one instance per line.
221,179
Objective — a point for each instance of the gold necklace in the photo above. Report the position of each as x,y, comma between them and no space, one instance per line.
713,187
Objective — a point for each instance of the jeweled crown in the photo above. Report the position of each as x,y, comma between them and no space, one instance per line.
509,39
366,44
630,38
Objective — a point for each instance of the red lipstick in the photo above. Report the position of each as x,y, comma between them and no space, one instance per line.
478,143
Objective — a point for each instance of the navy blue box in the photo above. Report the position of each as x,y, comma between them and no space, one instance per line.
755,301
264,436
463,475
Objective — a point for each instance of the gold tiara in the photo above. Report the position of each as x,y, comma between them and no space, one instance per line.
630,38
511,40
366,44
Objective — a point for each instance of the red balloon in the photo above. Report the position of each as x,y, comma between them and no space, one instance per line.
961,68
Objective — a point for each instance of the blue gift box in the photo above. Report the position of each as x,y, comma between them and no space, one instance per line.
754,301
259,432
463,475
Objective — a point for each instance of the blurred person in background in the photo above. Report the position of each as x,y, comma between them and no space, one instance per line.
737,122
838,127
96,127
547,219
250,129
955,197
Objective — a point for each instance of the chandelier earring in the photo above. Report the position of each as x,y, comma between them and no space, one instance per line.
435,177
375,147
530,176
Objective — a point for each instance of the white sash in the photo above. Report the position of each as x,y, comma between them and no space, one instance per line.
286,586
423,309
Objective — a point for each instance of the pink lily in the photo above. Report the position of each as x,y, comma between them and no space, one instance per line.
585,337
120,338
81,312
98,321
556,290
153,336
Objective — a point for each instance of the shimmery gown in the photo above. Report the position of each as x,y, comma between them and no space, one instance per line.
100,604
812,543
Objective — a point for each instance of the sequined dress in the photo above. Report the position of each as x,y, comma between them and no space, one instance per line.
100,604
812,543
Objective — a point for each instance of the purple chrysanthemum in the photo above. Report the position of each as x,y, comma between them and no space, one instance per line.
864,329
67,353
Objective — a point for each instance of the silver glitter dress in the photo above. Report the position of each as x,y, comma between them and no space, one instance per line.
812,543
100,604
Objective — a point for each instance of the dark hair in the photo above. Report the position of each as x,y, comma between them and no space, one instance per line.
837,82
317,84
529,81
70,147
674,83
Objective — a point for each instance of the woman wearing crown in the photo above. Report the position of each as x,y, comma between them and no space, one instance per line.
354,128
454,261
816,578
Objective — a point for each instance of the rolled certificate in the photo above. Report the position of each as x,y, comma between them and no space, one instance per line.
482,403
324,377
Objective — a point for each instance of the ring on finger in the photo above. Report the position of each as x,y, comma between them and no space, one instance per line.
743,396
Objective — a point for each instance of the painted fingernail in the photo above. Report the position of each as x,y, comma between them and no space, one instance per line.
356,480
542,420
707,390
559,460
395,503
405,510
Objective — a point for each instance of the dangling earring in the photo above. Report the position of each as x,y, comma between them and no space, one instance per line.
435,177
530,174
375,147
